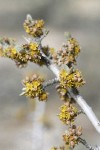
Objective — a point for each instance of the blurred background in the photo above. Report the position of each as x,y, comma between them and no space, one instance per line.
82,19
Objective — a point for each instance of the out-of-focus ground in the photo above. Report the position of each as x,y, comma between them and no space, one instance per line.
82,19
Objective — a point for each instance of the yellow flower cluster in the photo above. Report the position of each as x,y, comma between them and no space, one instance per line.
68,80
33,53
28,52
33,88
72,137
10,52
34,27
67,54
5,43
68,113
62,92
73,47
73,50
19,57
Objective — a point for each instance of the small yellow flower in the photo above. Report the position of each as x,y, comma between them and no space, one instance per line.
14,51
27,29
29,87
77,50
36,84
33,46
39,24
63,108
63,74
43,96
11,52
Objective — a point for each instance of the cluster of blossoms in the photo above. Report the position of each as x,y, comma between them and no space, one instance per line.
4,43
20,58
72,79
68,53
34,27
69,80
63,92
72,137
33,88
33,53
68,113
64,95
21,55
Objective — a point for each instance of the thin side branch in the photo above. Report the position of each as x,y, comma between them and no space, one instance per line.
51,82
